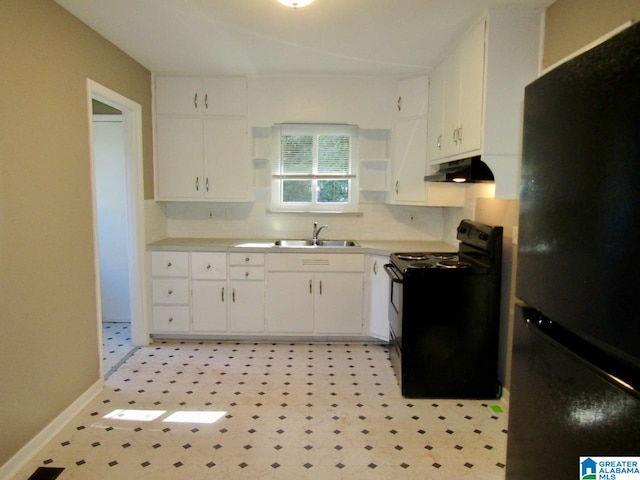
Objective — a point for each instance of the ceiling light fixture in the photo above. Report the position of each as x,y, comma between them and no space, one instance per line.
296,3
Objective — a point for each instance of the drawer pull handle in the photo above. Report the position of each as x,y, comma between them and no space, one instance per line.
246,274
233,295
208,267
170,292
310,290
169,265
320,287
222,295
247,259
170,319
195,101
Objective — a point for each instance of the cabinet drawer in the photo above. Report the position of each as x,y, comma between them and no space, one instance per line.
170,290
170,264
171,319
209,265
246,259
246,273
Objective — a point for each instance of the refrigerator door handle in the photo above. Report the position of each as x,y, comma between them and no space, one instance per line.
618,372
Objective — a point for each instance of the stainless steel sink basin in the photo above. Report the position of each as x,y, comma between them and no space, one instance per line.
337,243
293,243
319,243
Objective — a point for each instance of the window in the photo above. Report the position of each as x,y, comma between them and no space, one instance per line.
314,169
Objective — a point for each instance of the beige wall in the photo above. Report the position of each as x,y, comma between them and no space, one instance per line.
49,353
572,24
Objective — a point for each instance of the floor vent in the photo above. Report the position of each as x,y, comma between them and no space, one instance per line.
46,473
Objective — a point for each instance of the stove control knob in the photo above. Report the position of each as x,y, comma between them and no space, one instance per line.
484,237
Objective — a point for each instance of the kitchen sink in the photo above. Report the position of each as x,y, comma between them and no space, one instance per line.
337,243
319,243
293,243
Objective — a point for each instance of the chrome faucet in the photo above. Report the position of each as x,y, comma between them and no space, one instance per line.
316,231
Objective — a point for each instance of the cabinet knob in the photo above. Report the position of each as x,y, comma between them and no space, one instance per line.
208,267
246,274
170,292
247,259
170,319
169,265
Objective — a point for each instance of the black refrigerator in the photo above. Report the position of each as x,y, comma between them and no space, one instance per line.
575,381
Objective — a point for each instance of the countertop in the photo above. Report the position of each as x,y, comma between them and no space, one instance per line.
378,247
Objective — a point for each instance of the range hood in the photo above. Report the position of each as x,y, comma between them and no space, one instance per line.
468,170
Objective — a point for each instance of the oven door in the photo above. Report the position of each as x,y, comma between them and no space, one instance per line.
395,302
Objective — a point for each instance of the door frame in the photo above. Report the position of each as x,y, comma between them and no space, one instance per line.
132,123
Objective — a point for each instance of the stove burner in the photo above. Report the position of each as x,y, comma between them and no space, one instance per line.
422,265
444,256
412,256
452,264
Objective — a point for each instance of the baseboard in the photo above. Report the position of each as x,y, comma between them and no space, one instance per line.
26,453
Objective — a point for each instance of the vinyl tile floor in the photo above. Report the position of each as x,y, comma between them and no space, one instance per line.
116,345
286,411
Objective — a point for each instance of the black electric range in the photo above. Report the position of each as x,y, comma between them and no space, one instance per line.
444,313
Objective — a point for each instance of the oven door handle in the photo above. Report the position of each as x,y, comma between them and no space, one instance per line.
391,271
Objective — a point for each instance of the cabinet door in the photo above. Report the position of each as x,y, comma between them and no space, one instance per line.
471,90
436,113
289,303
377,297
409,161
451,117
413,96
179,95
338,303
179,158
246,307
226,159
209,306
225,96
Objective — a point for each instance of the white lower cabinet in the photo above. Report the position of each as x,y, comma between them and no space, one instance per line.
377,291
314,294
289,306
245,306
338,303
291,294
233,305
208,306
170,291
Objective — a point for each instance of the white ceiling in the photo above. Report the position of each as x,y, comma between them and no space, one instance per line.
264,37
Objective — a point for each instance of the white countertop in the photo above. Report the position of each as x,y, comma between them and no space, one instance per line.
379,247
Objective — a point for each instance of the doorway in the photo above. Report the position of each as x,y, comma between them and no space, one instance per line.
116,162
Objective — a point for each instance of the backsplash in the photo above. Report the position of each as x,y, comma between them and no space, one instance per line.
256,221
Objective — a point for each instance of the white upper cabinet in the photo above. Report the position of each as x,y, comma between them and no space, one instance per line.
477,93
463,73
435,127
413,96
201,139
409,151
208,96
